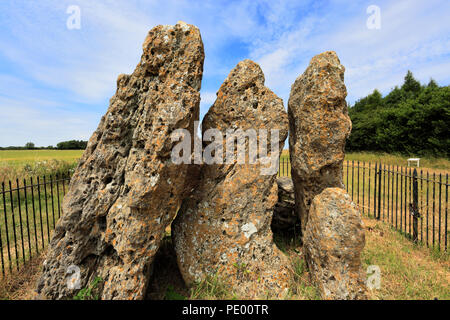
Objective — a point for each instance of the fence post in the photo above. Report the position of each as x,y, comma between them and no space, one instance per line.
379,192
375,191
414,208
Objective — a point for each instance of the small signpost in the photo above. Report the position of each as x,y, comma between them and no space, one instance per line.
416,160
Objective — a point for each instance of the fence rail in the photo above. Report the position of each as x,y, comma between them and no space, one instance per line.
31,208
413,201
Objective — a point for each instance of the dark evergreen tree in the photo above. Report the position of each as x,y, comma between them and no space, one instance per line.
411,84
72,145
412,119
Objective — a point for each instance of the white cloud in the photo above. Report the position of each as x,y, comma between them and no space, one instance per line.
208,97
42,125
414,35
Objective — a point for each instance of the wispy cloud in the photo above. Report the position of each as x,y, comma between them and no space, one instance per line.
33,120
414,35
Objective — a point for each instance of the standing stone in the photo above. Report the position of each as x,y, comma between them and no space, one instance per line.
333,242
126,190
319,126
224,228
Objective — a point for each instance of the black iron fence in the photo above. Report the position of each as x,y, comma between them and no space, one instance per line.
31,207
412,200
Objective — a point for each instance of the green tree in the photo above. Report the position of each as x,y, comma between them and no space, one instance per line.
432,84
411,84
72,145
412,119
29,145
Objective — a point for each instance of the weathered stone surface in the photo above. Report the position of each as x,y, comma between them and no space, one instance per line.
125,190
224,227
284,216
319,125
333,242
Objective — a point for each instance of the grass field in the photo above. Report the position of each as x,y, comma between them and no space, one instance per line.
23,157
27,218
390,159
398,160
19,158
408,271
27,231
359,182
24,163
27,163
395,193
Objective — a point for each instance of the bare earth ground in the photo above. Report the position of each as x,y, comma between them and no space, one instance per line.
408,271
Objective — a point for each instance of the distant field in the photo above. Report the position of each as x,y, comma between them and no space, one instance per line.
22,157
390,159
19,164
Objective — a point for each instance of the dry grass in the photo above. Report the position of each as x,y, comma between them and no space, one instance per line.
302,287
20,285
396,186
398,159
395,196
28,233
430,164
408,271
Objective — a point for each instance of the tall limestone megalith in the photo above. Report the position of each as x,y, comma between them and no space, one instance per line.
319,126
333,242
126,190
223,229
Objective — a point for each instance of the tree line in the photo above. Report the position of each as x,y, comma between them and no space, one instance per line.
64,145
412,119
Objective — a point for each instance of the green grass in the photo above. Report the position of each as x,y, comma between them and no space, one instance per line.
171,294
25,226
31,227
395,196
408,271
301,288
89,292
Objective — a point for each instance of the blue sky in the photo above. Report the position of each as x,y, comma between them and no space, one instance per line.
55,83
